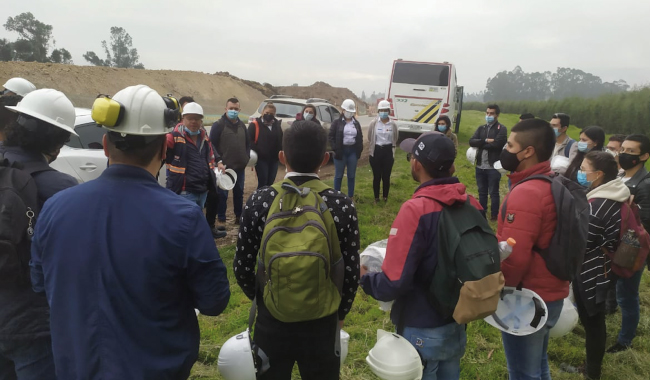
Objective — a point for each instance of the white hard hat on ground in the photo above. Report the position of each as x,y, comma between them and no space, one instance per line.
50,106
236,360
471,155
519,312
226,180
19,86
567,322
394,358
252,161
384,104
193,108
348,105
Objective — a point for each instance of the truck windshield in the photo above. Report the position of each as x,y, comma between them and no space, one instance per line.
421,74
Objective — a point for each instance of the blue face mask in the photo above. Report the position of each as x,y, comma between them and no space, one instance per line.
582,179
442,128
583,146
187,130
557,132
232,114
383,115
489,119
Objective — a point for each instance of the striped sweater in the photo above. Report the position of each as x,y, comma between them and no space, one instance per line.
604,232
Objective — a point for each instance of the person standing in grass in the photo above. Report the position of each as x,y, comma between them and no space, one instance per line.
443,125
310,342
598,173
412,256
346,139
565,146
591,139
265,134
382,135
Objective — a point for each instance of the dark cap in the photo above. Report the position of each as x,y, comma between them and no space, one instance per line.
435,151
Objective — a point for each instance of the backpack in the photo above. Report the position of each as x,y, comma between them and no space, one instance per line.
18,210
633,248
566,252
300,266
467,280
567,148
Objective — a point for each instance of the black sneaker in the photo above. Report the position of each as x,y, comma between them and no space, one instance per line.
218,234
221,228
617,348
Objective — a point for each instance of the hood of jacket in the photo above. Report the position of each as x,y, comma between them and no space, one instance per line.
615,190
443,190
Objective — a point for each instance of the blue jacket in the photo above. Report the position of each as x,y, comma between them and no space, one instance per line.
123,263
412,255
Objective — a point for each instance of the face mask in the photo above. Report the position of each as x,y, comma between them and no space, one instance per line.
232,114
442,128
383,115
582,179
583,146
268,117
628,161
307,115
187,130
557,132
348,115
489,119
509,161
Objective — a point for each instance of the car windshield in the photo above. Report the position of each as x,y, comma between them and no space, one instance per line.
423,74
284,109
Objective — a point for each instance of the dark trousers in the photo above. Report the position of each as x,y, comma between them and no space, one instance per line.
595,338
381,163
266,171
211,204
487,181
312,350
25,359
237,197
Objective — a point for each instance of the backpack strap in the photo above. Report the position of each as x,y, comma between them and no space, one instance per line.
257,130
567,148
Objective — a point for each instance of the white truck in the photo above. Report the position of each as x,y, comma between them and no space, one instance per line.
420,92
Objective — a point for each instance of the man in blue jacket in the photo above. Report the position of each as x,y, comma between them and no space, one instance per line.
124,262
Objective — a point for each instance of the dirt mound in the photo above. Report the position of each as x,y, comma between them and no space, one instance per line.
336,95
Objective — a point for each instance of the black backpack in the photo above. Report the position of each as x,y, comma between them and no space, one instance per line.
566,252
18,211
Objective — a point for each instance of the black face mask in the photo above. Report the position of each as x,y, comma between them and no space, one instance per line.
268,117
628,161
509,161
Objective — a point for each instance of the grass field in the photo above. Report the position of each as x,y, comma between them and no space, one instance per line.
484,358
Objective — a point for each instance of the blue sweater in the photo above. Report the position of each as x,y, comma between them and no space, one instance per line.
123,263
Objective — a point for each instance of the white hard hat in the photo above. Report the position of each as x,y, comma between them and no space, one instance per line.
193,108
394,358
567,322
499,168
226,180
519,312
348,105
253,159
236,360
560,164
19,86
135,110
345,341
384,104
471,155
50,106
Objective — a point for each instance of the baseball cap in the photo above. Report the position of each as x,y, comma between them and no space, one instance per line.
435,151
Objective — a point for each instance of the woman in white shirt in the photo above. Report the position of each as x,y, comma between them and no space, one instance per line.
346,139
382,135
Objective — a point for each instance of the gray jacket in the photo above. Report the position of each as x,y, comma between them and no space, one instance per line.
372,136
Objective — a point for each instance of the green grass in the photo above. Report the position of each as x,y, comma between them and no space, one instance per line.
484,358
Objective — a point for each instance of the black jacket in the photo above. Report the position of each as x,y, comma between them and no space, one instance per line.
499,133
639,186
269,142
336,137
230,143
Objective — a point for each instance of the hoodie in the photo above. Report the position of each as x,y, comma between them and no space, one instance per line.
412,254
592,281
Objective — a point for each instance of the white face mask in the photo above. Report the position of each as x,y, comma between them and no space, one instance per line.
348,115
307,115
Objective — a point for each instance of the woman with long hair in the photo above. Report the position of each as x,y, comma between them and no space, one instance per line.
308,113
443,125
591,139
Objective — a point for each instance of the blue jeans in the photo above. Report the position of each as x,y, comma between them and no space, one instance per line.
526,355
237,197
349,160
487,181
266,172
440,348
197,198
26,360
627,296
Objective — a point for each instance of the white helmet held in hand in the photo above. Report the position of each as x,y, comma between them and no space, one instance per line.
567,322
236,358
252,161
519,312
499,167
225,180
348,105
384,104
192,108
19,86
394,358
50,106
471,155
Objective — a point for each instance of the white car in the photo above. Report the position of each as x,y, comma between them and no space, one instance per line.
83,157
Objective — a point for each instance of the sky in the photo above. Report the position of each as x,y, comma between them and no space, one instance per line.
353,43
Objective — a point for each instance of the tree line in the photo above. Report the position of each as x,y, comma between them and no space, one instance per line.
33,45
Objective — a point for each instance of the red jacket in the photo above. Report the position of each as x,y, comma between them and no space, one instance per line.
530,219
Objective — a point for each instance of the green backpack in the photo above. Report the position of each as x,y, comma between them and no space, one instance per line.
300,265
467,280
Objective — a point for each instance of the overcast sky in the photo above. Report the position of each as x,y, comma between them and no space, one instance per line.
353,43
